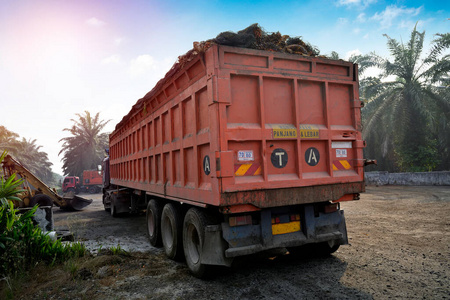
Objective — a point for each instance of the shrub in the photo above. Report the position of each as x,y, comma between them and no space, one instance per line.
22,244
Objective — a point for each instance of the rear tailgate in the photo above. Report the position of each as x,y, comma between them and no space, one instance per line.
289,122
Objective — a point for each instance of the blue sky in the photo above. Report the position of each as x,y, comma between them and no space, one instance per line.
61,57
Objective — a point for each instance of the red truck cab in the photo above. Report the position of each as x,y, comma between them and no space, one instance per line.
71,183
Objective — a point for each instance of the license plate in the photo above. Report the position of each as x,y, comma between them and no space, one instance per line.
282,228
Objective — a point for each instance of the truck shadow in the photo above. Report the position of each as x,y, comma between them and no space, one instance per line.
286,276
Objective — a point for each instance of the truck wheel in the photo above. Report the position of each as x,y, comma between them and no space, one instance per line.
154,223
41,200
171,232
193,239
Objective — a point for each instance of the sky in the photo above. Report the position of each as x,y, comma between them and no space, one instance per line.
63,57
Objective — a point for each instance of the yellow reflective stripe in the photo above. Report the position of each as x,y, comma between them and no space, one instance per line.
243,169
258,171
283,228
345,164
335,168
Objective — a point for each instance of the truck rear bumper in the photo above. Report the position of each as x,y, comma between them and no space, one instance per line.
315,228
270,198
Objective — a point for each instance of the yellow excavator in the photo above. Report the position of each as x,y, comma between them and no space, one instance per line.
37,192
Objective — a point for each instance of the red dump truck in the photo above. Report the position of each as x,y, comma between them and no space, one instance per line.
91,183
237,151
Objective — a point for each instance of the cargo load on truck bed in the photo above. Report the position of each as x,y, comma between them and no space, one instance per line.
241,150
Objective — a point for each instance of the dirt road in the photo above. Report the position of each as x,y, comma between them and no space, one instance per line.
399,248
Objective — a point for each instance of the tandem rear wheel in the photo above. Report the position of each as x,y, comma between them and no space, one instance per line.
194,226
171,231
153,217
167,226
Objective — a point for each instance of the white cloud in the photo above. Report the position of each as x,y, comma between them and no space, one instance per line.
356,30
148,69
361,4
410,24
342,21
141,65
392,12
348,2
361,18
352,52
95,22
113,59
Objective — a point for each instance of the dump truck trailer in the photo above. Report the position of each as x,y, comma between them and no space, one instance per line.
238,151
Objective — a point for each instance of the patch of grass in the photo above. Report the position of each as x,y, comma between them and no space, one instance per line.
118,250
72,267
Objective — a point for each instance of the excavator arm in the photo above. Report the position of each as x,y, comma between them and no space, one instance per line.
10,165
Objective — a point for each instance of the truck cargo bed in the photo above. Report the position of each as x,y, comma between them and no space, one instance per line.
243,129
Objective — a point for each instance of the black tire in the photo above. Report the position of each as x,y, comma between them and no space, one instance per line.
153,216
172,232
41,200
194,225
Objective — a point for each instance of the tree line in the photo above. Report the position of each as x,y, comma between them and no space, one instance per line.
406,118
82,150
27,152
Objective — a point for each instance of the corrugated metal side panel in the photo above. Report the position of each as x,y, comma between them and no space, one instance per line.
167,147
289,121
234,125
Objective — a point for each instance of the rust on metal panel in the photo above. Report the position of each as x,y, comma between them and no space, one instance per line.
292,196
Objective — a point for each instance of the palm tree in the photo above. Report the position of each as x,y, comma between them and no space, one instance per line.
8,139
28,153
405,105
334,55
439,74
84,149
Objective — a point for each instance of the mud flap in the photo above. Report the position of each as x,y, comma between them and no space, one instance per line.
213,252
343,229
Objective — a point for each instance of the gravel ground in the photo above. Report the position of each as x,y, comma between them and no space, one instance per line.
399,248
